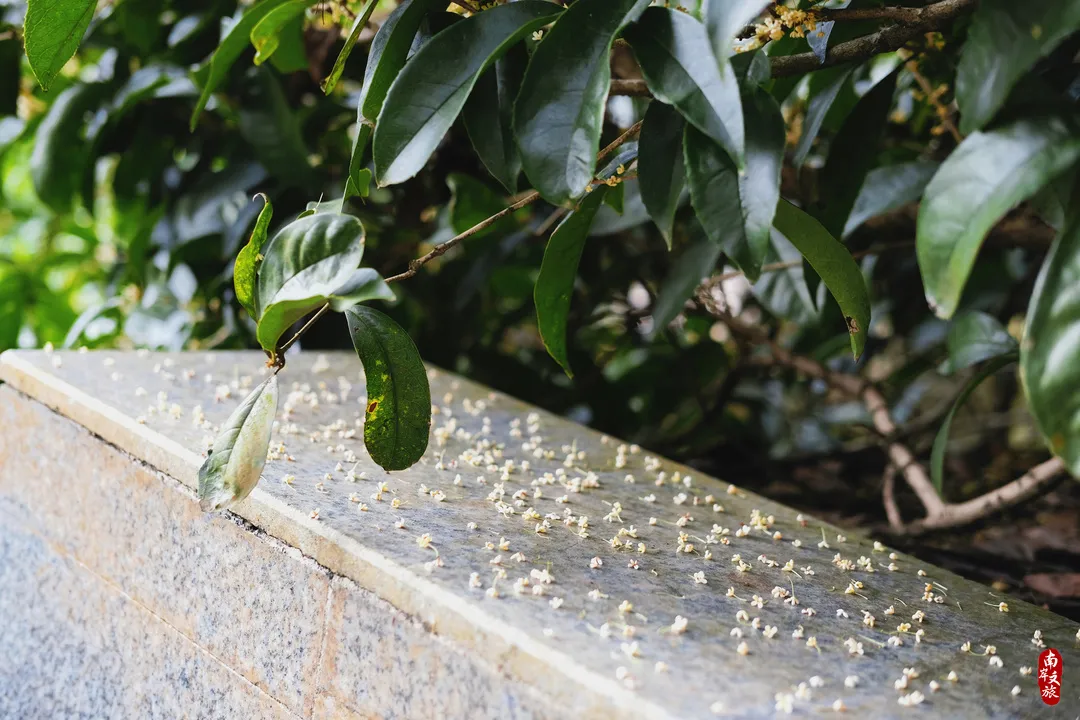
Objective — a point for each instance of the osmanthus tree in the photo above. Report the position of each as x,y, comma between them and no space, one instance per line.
764,144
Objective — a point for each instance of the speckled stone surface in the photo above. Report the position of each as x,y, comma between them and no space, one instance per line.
563,616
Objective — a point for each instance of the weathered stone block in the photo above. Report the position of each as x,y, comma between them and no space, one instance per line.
526,567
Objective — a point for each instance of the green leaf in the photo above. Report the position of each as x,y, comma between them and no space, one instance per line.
212,74
888,188
60,152
1005,39
784,291
673,51
558,270
736,209
752,68
985,177
1050,351
249,258
725,18
311,261
941,440
661,172
974,337
693,265
397,420
833,264
853,154
269,125
264,36
431,89
350,42
824,86
235,463
472,201
291,55
558,132
359,180
488,115
52,32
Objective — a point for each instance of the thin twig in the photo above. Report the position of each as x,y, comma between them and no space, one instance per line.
630,132
788,264
940,109
918,22
311,321
888,497
467,5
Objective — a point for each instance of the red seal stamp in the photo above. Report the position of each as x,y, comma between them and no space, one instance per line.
1050,676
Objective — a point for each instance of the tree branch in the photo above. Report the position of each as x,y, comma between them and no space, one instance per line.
1025,487
913,22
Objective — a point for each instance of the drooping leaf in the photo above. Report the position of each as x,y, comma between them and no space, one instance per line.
291,54
309,262
60,152
833,264
558,270
397,419
213,73
986,176
52,32
824,86
974,337
431,89
265,35
350,42
558,132
1005,39
661,173
888,188
784,291
235,463
853,156
269,125
488,115
941,440
724,19
694,264
672,49
249,258
1050,349
736,209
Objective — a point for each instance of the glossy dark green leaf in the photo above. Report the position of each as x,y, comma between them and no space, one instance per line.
784,291
824,86
59,156
488,115
974,337
854,154
1050,349
265,35
833,264
558,132
431,89
661,173
888,188
250,257
1005,39
359,180
52,32
269,125
724,19
214,72
941,440
752,68
350,42
397,419
736,209
309,262
985,177
555,284
235,463
696,262
673,51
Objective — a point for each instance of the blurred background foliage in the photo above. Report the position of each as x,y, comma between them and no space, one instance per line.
119,226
